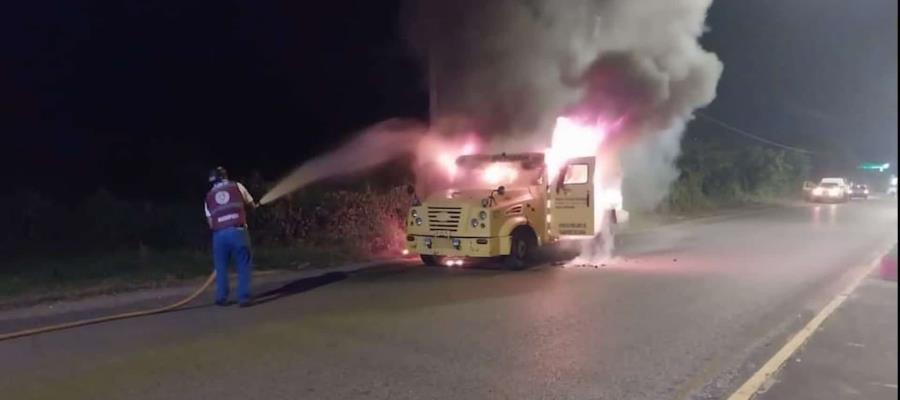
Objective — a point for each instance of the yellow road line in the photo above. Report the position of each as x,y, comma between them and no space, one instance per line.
752,385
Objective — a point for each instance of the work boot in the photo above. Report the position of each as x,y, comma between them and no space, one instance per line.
223,303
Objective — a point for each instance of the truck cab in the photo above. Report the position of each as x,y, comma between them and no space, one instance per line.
503,205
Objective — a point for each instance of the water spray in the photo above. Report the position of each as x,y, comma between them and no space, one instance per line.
376,145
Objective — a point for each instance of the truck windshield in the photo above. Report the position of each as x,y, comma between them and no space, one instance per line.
490,174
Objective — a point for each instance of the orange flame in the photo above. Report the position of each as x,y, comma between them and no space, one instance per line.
499,172
572,139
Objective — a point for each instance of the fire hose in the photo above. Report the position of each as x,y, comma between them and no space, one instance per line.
91,321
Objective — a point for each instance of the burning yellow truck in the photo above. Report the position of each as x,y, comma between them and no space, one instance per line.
505,205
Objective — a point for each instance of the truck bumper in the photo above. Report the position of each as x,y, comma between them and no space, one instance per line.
468,246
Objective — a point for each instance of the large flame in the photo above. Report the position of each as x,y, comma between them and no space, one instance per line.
500,172
572,139
439,153
447,157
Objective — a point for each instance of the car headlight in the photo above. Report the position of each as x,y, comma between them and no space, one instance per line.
866,191
817,191
418,221
482,215
474,222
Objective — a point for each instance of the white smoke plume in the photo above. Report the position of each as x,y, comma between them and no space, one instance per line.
513,66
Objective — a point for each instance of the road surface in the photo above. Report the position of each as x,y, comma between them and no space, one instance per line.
687,311
852,356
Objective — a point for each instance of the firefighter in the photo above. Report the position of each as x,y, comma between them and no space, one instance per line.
226,214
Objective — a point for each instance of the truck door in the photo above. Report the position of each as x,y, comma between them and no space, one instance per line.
572,199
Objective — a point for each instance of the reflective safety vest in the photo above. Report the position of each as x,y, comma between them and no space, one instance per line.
226,206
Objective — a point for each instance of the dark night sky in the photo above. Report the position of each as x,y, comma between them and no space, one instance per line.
810,73
143,97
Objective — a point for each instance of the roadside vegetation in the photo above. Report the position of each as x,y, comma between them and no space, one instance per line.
715,174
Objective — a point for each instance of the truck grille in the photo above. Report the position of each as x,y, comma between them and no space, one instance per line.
444,218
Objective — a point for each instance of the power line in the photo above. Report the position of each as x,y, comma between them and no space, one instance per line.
750,135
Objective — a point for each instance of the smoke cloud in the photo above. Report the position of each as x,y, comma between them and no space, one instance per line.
513,66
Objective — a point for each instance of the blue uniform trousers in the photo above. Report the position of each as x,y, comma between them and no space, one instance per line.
232,244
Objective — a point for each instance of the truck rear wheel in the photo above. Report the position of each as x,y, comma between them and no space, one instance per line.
429,260
521,247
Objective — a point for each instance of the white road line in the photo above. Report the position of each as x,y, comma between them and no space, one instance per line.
752,386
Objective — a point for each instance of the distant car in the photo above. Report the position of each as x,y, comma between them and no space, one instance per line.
859,191
840,181
828,191
892,190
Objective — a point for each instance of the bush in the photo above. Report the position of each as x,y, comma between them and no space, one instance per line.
368,221
714,175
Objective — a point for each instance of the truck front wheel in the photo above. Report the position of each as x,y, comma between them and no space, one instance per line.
521,247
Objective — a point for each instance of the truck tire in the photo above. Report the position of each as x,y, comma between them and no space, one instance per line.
521,248
429,260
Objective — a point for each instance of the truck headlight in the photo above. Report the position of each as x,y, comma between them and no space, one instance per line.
456,244
474,222
428,242
482,215
418,221
485,202
414,213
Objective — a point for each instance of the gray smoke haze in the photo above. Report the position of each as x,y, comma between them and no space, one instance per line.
513,66
499,62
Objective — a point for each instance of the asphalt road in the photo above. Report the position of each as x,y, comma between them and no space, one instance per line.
853,355
687,311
